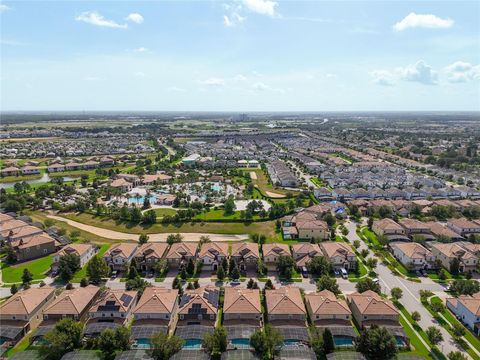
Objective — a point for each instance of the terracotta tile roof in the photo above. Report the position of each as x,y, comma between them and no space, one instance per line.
122,249
246,250
326,303
26,301
121,298
72,302
207,297
212,249
306,248
463,223
152,178
276,249
178,250
5,218
412,250
13,224
438,229
241,301
472,303
77,249
156,300
120,182
35,240
453,250
152,250
387,224
21,232
412,224
283,301
370,303
333,249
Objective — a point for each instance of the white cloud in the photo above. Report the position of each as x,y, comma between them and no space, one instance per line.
213,82
141,49
419,72
239,77
428,21
260,86
4,8
383,77
460,71
175,89
233,19
94,18
264,7
139,74
330,76
135,17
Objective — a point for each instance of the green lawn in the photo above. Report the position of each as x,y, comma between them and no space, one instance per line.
164,211
82,273
38,268
317,182
262,227
212,215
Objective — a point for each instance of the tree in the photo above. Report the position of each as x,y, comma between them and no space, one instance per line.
132,270
456,355
235,273
215,343
112,341
27,277
97,269
364,253
372,262
220,273
434,335
454,266
356,244
84,282
229,206
267,342
376,343
11,255
252,284
396,293
174,238
328,343
465,287
143,239
326,282
268,285
66,336
368,284
190,267
458,329
442,274
437,307
149,217
319,265
163,347
370,223
285,264
14,289
69,264
416,316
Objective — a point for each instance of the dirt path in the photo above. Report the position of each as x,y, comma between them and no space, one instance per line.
274,195
253,175
161,237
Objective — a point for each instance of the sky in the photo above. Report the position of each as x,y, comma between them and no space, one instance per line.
242,55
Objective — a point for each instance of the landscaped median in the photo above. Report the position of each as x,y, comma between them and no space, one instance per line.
468,341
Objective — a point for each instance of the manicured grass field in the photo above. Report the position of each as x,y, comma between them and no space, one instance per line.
317,181
219,215
264,227
264,185
80,274
38,268
164,211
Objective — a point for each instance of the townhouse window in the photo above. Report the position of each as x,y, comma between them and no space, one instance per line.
181,316
212,317
111,314
123,315
167,316
318,316
44,251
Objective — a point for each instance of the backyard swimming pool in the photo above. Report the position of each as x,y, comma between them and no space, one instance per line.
343,341
241,343
143,344
291,342
192,344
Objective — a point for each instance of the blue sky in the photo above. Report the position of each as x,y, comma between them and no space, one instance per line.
244,55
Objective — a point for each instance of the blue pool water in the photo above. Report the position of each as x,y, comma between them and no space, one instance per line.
241,343
290,342
216,187
134,200
193,344
2,340
143,344
400,341
343,341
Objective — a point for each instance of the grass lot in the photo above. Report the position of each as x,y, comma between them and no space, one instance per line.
164,211
219,215
262,182
317,182
80,274
38,268
264,227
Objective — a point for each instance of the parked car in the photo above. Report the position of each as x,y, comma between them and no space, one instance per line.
114,274
344,274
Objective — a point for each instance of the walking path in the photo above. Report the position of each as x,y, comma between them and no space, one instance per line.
159,237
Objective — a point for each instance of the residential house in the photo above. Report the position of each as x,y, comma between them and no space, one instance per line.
199,307
113,306
246,255
242,307
325,309
157,306
55,168
211,255
30,170
467,309
180,253
439,230
271,253
413,255
414,227
149,254
33,247
463,226
304,252
122,184
84,251
369,308
120,255
390,229
22,312
446,253
340,255
73,304
285,306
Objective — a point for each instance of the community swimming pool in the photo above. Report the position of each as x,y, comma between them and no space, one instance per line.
241,343
141,199
192,344
216,187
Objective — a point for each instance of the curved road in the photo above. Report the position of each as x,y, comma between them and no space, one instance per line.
159,237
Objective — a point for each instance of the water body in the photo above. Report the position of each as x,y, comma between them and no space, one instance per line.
45,178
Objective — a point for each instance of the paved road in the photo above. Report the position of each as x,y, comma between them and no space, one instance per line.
411,297
303,175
